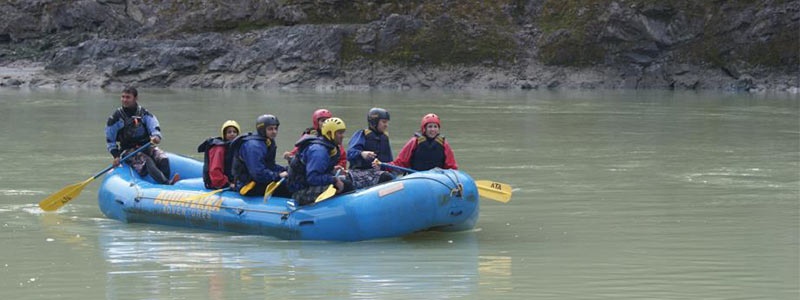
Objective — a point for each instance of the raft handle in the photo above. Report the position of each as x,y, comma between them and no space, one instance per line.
307,222
119,201
456,213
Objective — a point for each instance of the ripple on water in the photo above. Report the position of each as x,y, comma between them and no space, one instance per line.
12,192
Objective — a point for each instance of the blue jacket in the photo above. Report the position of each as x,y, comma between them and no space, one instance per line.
317,157
255,160
130,129
368,140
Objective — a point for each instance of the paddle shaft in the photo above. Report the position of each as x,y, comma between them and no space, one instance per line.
124,158
398,167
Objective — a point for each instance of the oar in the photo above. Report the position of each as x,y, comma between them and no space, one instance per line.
58,199
329,192
488,189
201,196
271,187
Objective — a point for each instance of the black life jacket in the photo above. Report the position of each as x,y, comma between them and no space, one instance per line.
297,167
238,165
134,132
375,142
428,154
205,147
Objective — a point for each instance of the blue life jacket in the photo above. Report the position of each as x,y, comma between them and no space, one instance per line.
375,142
205,147
239,167
428,154
297,179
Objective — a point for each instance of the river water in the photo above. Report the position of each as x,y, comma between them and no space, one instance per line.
617,195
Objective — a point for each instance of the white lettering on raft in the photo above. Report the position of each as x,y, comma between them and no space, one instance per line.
181,203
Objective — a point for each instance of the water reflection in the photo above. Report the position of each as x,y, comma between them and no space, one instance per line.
144,258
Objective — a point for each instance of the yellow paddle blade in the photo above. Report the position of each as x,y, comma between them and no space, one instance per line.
57,200
271,188
494,190
326,194
201,196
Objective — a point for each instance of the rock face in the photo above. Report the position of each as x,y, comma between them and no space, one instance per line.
736,45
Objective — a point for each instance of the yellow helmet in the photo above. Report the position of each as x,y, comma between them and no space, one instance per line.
227,124
331,126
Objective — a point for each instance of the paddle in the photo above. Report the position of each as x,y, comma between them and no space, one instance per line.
271,187
329,192
488,189
58,199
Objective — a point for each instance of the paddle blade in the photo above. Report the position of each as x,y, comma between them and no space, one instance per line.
494,190
58,199
204,195
326,194
271,187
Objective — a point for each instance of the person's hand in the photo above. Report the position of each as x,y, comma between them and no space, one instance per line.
339,169
283,174
367,155
155,139
115,163
339,184
233,185
287,155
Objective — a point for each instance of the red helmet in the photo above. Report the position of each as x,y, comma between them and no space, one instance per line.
429,118
320,113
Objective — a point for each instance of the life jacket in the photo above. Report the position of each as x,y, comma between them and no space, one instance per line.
134,132
238,165
375,142
297,166
428,154
205,147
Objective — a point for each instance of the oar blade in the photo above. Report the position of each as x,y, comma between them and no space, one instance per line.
494,190
66,194
326,194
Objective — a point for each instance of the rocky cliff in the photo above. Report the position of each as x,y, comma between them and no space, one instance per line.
746,45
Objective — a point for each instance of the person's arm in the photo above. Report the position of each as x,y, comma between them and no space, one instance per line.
403,158
113,126
449,158
355,147
152,125
316,165
216,167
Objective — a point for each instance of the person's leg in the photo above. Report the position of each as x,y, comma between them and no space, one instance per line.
162,161
385,176
282,191
153,170
257,190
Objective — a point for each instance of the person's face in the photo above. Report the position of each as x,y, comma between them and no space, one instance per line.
128,100
383,124
431,130
230,133
319,122
272,131
338,137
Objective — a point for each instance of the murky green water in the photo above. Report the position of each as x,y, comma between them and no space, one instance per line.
618,195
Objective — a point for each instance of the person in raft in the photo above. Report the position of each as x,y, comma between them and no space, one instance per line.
312,169
427,149
365,146
253,159
129,127
317,118
217,159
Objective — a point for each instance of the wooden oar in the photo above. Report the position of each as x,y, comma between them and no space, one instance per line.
488,189
58,199
271,187
329,192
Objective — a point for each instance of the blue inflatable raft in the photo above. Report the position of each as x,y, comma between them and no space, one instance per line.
443,200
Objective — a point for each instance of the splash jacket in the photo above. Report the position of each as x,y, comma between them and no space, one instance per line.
422,153
254,160
130,127
368,140
314,163
311,131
